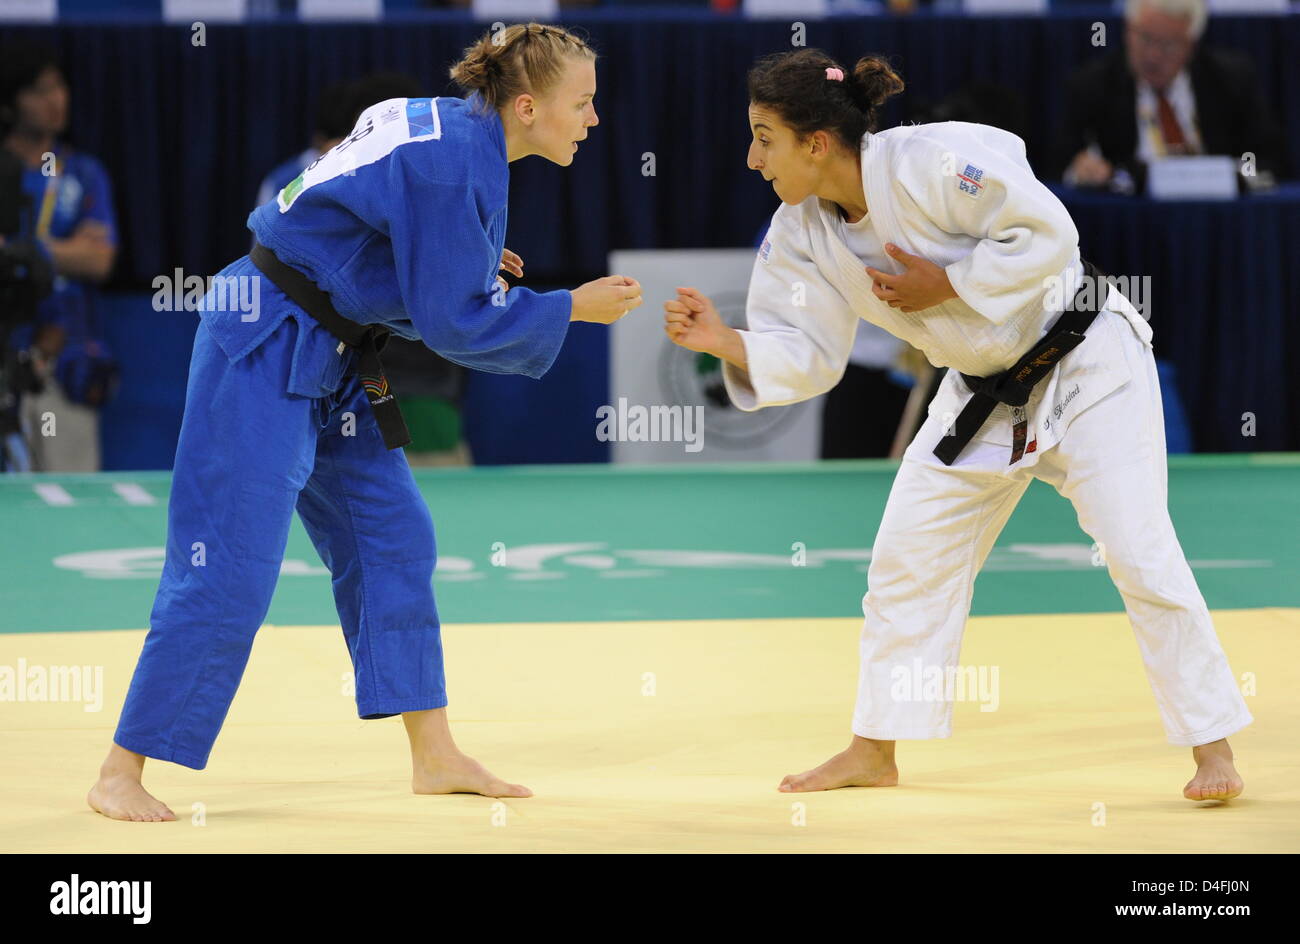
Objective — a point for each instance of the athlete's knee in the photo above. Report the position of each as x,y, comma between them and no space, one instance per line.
1151,573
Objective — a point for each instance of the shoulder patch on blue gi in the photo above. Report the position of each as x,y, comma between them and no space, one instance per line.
422,118
971,181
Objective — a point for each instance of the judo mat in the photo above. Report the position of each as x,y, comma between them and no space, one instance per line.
650,650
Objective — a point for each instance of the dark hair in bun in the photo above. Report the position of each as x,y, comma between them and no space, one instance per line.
796,86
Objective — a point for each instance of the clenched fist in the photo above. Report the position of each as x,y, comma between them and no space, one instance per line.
691,321
606,300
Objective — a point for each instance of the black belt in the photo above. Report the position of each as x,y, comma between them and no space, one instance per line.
1014,385
368,339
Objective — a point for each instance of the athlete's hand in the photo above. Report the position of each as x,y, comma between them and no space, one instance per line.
606,300
691,321
512,264
922,284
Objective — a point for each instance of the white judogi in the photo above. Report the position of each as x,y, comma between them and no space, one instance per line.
964,197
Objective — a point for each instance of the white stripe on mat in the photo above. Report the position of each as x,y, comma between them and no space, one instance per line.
53,494
134,494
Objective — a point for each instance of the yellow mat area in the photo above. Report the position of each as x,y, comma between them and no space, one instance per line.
672,736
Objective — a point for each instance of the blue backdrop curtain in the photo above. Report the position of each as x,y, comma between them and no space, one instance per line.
187,132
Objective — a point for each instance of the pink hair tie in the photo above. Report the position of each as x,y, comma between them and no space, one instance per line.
835,74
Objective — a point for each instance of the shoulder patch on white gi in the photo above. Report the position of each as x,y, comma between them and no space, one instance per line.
765,250
971,181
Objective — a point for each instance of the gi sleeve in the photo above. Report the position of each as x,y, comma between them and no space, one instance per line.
982,186
446,271
800,330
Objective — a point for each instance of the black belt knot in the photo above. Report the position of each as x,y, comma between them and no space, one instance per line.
369,340
1014,385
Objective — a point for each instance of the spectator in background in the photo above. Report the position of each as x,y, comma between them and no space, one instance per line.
1162,94
75,225
334,119
378,87
980,101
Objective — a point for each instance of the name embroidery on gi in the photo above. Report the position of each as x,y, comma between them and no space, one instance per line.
765,250
970,181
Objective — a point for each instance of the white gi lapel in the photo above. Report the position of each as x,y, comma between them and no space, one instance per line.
876,186
833,257
879,190
845,271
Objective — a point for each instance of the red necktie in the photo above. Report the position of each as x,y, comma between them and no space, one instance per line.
1170,129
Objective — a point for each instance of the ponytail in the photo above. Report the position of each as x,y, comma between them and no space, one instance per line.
530,57
811,92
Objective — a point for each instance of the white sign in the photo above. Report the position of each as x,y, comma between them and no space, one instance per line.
1005,6
809,8
1202,177
515,9
29,9
189,11
650,376
1227,7
340,9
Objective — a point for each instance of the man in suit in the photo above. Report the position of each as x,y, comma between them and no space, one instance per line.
1162,95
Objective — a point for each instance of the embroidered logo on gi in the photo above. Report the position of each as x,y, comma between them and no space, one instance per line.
1019,425
971,181
765,250
375,386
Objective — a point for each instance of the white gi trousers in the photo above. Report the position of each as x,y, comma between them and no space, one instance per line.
940,523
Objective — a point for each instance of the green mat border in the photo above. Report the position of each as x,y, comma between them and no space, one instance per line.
1230,460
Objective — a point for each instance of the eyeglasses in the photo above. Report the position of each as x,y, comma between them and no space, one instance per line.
1159,44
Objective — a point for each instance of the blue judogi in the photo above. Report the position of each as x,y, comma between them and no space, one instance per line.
403,224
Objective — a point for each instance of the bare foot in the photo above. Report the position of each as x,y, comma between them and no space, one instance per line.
1216,778
438,766
459,773
119,794
866,763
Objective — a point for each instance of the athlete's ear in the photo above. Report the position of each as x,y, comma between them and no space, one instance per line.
821,143
525,109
